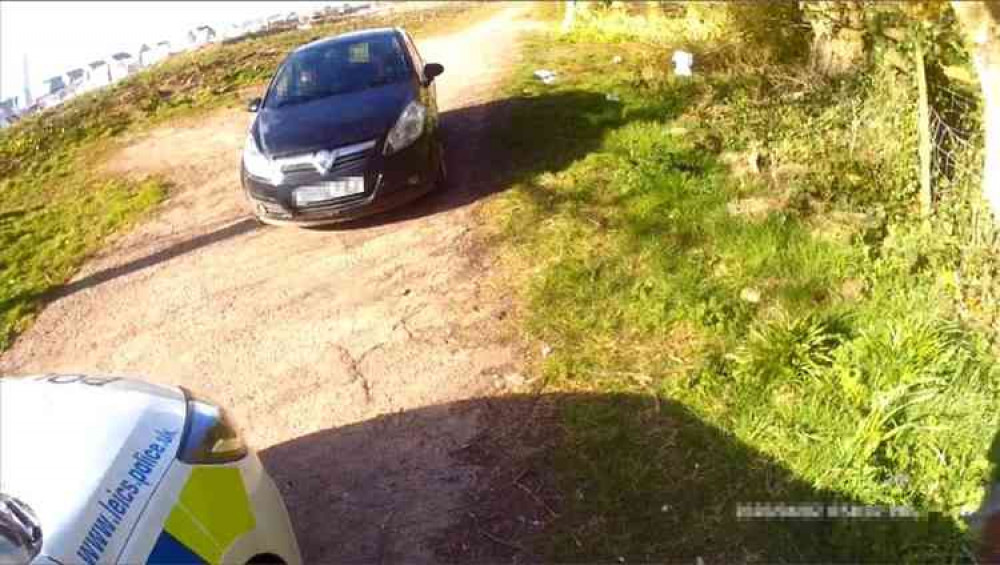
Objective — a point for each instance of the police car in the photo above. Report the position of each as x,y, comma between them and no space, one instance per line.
107,469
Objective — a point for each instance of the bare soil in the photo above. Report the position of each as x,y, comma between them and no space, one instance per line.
349,355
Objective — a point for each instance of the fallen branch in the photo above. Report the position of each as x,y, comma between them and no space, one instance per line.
505,543
537,499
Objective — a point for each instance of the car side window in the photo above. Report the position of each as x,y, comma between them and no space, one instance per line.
281,84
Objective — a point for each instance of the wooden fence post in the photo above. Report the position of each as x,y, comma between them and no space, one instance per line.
568,15
923,132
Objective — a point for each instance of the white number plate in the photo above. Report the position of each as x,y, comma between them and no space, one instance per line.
329,190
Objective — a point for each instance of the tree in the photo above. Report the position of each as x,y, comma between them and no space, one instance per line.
838,44
980,22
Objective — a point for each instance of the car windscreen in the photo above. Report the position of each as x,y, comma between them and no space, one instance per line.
339,67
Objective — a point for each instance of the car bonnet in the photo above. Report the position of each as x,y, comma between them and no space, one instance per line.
86,454
333,121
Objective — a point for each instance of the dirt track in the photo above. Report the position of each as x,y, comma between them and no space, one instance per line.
301,332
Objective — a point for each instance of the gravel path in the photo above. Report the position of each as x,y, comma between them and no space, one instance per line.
319,341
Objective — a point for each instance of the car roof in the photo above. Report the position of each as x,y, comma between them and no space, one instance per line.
360,34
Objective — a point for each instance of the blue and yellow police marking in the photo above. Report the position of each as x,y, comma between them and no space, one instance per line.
169,550
211,512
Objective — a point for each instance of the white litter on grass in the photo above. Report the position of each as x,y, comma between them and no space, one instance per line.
751,295
617,59
682,63
612,97
546,76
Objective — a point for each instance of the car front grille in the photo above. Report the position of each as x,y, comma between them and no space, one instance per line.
336,205
347,160
298,168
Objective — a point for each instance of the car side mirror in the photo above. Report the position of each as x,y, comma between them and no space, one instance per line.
20,531
253,105
431,71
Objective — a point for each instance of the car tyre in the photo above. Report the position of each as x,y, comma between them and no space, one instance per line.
266,559
441,182
252,210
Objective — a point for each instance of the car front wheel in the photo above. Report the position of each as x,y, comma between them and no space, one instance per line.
266,559
441,182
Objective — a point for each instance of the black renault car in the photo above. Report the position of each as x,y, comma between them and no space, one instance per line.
348,126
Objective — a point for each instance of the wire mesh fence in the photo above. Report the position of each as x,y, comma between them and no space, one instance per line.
960,209
956,158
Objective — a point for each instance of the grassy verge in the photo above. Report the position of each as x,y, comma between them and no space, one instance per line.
57,208
737,254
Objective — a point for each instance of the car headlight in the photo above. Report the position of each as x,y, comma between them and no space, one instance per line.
209,435
258,165
409,127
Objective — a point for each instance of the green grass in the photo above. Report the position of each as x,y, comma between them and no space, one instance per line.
56,205
41,242
817,340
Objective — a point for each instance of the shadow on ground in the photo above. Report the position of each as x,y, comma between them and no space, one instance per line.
227,231
35,300
364,493
986,520
486,152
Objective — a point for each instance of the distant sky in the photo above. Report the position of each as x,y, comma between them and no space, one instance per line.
58,36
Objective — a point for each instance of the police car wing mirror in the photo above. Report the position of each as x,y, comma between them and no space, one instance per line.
20,531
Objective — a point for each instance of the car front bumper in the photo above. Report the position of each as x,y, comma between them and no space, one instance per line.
272,533
390,181
224,513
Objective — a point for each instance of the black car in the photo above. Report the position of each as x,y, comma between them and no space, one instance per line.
348,127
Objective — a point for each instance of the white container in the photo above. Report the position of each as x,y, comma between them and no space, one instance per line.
682,63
